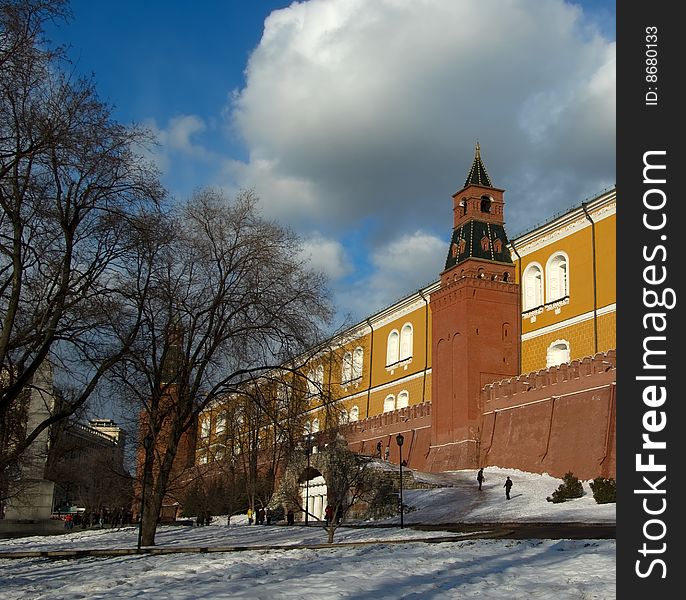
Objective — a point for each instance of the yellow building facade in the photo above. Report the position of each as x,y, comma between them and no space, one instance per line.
566,269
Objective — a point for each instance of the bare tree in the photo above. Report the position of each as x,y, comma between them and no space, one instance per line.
229,299
72,188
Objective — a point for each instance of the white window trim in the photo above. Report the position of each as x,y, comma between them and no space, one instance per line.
385,403
400,393
525,285
548,268
558,342
392,351
403,330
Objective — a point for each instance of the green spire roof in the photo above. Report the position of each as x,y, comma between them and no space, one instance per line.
477,174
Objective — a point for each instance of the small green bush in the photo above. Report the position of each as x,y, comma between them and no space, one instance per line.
570,488
604,490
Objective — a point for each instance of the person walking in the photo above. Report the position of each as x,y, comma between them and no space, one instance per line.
378,448
328,514
388,452
508,487
250,513
480,477
290,517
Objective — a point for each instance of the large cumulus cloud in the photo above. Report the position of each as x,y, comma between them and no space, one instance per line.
356,111
376,106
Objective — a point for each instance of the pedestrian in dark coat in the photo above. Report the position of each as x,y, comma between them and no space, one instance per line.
480,477
290,517
508,487
328,513
260,516
378,449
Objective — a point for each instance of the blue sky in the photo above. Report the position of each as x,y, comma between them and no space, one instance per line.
356,120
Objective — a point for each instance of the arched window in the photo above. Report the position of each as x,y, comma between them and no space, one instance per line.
389,403
358,357
406,341
403,399
485,204
315,425
533,286
344,417
558,353
354,414
221,424
347,374
307,428
315,381
393,348
557,277
205,426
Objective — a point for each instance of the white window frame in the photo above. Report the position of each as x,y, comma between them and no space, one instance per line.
532,288
354,414
389,403
554,351
556,278
220,424
393,348
406,342
347,368
403,399
358,363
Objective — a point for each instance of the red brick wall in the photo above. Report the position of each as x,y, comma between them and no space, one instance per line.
555,420
550,421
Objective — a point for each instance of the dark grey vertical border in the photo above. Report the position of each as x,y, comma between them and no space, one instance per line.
641,128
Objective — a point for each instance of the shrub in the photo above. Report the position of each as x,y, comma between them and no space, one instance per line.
570,487
604,490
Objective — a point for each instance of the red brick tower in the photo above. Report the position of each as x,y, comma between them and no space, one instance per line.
475,321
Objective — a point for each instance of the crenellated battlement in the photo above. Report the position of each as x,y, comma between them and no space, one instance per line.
404,415
537,380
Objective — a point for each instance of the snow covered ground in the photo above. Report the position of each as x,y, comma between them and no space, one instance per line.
397,565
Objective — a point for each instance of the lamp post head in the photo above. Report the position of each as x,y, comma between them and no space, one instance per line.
399,439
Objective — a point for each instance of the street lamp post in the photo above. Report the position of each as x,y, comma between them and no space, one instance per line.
147,444
308,449
400,439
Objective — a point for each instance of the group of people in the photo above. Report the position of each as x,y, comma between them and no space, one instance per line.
508,482
203,518
378,451
260,517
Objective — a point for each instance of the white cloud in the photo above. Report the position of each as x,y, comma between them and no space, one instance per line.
400,267
359,108
327,256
